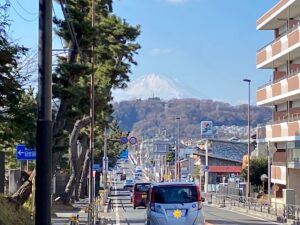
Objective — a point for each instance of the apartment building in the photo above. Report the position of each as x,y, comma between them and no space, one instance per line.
282,93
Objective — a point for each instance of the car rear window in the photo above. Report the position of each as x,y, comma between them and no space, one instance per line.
142,187
175,194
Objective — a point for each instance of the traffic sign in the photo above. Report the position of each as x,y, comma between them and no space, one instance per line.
24,153
123,154
96,167
132,140
123,140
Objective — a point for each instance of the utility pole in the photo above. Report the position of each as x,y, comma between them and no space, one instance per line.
44,123
206,167
269,172
248,167
177,152
105,164
92,109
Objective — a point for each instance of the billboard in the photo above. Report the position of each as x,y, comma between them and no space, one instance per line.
206,129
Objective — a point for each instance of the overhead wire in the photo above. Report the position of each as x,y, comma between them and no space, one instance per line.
25,10
22,17
70,26
61,41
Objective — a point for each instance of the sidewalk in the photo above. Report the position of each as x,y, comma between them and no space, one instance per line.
78,209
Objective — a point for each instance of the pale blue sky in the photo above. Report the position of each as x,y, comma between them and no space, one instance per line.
208,45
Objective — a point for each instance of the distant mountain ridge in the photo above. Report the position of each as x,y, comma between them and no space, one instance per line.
144,118
153,85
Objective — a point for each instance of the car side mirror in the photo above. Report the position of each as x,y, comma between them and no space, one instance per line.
202,199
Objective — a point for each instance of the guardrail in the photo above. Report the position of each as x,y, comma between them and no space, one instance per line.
281,211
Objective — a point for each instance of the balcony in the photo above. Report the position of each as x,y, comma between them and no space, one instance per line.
275,53
272,19
280,130
280,89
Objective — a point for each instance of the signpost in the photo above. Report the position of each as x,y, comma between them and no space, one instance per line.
24,153
123,154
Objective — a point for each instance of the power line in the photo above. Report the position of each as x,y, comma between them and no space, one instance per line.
70,26
61,41
25,10
25,19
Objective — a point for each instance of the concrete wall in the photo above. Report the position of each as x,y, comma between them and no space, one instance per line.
294,175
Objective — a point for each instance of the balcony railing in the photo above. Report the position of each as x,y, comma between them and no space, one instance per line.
291,118
294,27
290,74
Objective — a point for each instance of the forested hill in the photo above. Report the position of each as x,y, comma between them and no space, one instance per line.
146,117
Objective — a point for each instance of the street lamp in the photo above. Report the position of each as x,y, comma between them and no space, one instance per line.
248,172
177,151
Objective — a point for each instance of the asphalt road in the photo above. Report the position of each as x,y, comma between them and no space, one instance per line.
122,212
218,216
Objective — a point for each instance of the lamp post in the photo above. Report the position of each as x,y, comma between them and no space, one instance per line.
248,167
177,152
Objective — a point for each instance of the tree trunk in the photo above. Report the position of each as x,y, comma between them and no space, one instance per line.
84,146
74,159
24,191
84,175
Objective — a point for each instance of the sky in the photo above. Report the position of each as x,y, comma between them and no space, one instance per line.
207,45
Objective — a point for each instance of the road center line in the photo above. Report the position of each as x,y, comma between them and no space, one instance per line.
117,208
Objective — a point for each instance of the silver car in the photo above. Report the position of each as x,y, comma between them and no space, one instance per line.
175,203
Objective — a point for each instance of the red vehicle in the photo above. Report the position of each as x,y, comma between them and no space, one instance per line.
140,193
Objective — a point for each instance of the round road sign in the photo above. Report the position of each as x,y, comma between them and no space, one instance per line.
132,140
123,140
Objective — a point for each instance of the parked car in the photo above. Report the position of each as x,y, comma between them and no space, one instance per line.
140,193
128,184
175,203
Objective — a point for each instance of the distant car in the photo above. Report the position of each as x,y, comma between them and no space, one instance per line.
119,171
175,203
128,184
139,194
138,176
138,169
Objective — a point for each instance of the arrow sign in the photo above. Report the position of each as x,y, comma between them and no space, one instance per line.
24,153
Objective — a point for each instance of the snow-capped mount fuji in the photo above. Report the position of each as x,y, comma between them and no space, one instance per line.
153,85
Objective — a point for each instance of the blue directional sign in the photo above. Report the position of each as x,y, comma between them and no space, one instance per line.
123,154
96,167
24,153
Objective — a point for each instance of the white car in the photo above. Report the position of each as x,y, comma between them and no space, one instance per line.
175,204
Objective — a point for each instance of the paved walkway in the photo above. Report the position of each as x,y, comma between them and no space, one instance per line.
80,211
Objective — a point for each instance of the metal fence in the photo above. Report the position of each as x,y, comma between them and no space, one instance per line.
282,211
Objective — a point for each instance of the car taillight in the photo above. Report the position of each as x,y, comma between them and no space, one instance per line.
199,198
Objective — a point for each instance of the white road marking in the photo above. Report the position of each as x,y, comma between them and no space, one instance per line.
117,208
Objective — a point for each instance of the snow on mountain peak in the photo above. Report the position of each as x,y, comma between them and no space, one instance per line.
152,85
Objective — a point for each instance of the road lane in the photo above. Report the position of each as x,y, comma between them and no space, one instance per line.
218,216
122,212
